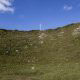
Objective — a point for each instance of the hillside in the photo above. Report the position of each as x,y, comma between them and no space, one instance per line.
40,55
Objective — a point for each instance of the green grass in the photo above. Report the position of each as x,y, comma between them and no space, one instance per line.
25,55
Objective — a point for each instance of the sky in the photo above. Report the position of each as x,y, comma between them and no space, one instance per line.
29,14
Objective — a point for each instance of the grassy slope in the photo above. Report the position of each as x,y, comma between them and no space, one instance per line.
55,55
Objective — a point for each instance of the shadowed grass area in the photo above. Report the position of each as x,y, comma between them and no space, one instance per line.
40,55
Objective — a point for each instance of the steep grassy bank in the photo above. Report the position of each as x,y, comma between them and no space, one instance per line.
40,55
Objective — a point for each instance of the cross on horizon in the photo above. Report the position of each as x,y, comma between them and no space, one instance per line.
40,27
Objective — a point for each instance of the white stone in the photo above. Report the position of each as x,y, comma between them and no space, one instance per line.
61,34
33,68
17,50
7,51
42,35
41,42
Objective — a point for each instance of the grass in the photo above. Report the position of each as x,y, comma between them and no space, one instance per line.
24,57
